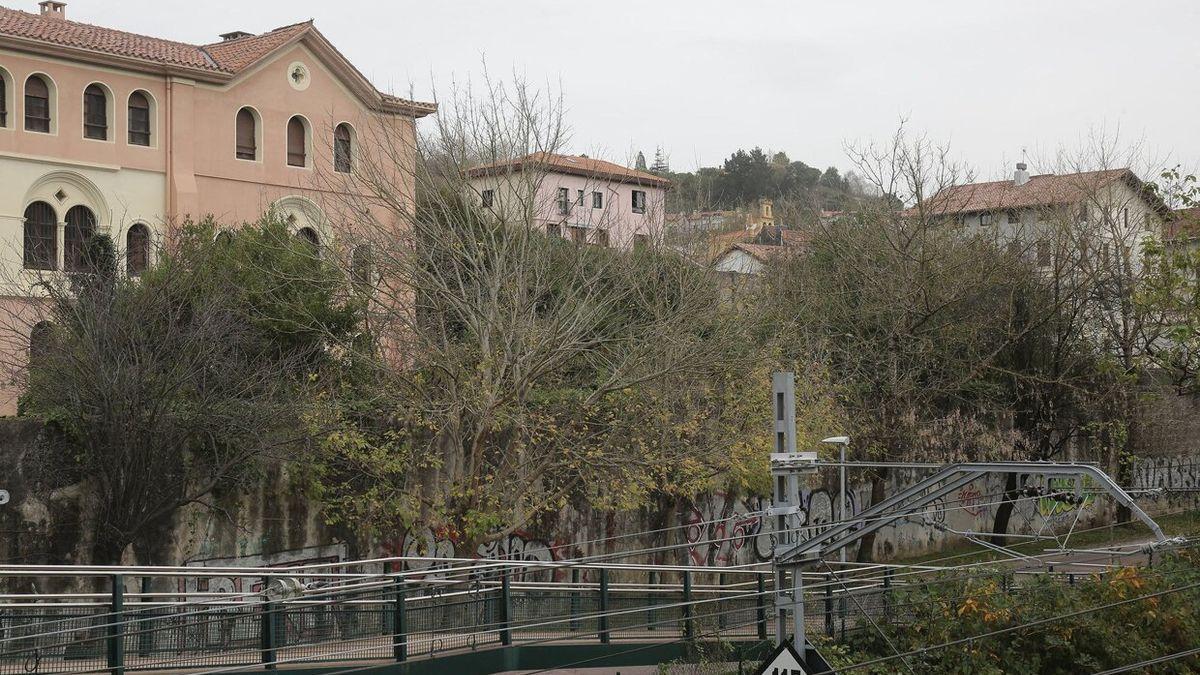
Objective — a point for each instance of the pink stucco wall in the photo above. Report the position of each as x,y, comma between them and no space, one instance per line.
190,168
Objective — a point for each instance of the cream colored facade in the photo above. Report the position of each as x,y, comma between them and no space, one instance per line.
190,168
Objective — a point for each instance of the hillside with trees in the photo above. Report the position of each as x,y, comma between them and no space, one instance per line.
749,175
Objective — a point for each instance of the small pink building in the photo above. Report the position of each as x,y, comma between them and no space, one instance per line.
104,131
577,197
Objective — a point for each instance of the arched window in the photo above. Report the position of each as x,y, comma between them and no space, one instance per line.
137,250
95,113
139,119
309,236
362,266
39,340
297,152
37,104
342,148
3,99
41,237
81,225
247,134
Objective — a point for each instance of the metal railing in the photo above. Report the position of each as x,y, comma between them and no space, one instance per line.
336,613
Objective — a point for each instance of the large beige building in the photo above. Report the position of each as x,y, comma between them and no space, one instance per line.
107,131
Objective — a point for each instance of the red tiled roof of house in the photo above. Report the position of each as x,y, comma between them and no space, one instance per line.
237,54
18,24
1184,224
572,164
219,61
1044,190
763,252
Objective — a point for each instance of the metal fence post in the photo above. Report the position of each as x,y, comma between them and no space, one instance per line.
574,625
829,604
689,628
651,600
604,635
720,601
399,623
116,627
761,601
145,636
887,594
269,639
505,610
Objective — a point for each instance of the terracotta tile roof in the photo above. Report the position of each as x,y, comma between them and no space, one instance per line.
763,252
1184,224
1043,190
235,55
572,164
18,24
220,60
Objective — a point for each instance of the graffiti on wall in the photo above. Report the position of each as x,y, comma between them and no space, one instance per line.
970,500
433,552
720,528
235,585
1166,472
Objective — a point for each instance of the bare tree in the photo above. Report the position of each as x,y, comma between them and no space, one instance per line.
508,361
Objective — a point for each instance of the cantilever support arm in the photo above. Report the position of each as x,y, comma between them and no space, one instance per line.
919,495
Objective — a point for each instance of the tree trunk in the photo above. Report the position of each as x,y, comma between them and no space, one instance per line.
108,548
1004,511
866,545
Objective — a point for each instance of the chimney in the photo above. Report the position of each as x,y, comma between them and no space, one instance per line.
234,35
51,9
1021,176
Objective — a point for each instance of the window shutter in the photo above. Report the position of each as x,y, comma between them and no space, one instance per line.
246,145
295,148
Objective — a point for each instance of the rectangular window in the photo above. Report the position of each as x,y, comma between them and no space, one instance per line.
1125,217
95,117
1043,254
564,201
578,234
602,238
554,230
488,196
3,102
985,219
597,200
579,197
1013,218
37,114
139,126
639,201
1083,213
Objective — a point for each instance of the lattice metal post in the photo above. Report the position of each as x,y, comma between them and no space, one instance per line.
605,637
399,622
761,602
116,627
505,610
689,628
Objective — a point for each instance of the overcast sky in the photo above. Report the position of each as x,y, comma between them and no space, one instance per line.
703,78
